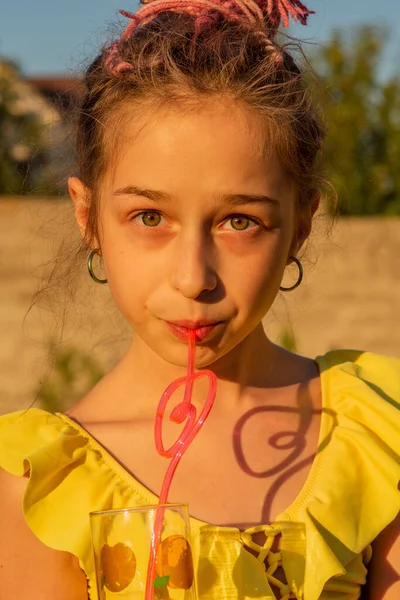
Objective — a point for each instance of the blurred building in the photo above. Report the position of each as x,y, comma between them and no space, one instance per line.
62,92
36,116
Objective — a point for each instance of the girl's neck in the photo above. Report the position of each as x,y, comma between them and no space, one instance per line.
134,387
250,363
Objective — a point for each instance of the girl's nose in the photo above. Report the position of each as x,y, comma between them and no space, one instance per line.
193,271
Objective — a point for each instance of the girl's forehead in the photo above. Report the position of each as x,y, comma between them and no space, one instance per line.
204,123
210,142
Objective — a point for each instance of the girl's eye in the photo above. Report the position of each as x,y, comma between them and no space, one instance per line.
148,218
151,219
241,223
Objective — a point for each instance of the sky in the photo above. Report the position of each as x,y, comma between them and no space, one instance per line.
58,37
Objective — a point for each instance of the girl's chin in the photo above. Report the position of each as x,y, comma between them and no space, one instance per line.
176,352
205,357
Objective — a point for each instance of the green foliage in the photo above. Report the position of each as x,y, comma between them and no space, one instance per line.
362,154
287,339
73,374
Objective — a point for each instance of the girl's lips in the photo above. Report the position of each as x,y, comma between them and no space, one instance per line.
182,332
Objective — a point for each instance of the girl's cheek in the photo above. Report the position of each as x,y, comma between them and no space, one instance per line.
132,235
247,243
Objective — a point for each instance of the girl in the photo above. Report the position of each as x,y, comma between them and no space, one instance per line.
197,148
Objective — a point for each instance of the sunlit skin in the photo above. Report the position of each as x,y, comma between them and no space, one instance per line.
211,241
195,248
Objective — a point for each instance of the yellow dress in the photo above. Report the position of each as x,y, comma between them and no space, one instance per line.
350,495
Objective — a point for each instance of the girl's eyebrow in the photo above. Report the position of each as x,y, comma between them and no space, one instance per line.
133,190
232,199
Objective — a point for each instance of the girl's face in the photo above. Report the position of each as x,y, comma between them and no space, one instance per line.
196,226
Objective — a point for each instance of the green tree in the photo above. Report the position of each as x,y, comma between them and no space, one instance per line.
362,153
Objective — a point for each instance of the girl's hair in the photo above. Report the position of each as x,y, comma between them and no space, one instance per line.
177,53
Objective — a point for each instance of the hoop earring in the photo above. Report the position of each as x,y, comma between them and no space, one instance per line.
90,266
300,279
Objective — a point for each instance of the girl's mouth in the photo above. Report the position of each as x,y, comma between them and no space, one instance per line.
202,331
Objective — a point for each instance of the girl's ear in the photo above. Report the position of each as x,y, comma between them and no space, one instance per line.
79,194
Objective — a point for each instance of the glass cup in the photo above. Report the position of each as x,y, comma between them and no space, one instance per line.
143,553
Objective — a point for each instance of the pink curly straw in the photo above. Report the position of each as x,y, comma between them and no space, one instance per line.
248,12
183,413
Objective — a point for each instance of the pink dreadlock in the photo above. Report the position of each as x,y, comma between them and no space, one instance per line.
251,13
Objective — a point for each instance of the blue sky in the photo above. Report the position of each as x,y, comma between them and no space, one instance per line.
59,37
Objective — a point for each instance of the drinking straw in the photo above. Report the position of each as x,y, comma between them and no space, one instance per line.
184,412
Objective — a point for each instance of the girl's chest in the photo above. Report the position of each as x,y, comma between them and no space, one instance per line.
232,478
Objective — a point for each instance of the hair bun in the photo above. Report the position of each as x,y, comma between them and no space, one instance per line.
277,11
248,12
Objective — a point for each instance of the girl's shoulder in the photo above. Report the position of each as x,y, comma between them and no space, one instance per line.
355,377
23,433
57,450
361,391
377,369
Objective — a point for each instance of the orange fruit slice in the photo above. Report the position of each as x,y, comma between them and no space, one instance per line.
174,560
118,566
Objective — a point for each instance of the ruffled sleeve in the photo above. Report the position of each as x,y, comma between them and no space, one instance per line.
69,476
356,492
